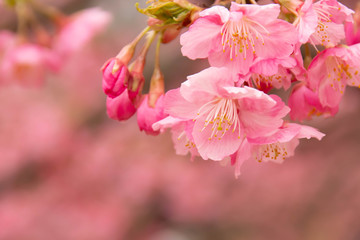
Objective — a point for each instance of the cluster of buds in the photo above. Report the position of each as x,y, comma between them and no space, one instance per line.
45,38
225,112
123,81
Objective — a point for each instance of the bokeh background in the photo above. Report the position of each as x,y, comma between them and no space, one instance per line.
67,172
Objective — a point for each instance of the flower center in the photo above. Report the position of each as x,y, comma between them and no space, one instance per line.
340,73
241,36
324,18
270,152
222,115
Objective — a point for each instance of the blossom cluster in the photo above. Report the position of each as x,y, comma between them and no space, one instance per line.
232,111
40,47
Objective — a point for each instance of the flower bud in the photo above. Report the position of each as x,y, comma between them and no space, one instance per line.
170,34
136,84
156,87
115,77
115,72
121,107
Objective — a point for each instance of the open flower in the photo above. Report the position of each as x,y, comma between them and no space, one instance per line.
330,28
234,38
305,104
333,69
223,114
275,147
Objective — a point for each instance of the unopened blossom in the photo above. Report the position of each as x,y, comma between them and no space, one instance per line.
121,107
275,147
234,38
28,64
148,115
78,29
115,76
223,114
304,104
332,70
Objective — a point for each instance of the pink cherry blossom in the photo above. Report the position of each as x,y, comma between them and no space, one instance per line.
233,38
121,107
28,64
305,104
330,72
275,147
79,28
330,28
223,114
147,116
273,72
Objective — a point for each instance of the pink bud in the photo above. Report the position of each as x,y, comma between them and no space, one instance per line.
170,34
115,76
135,86
121,107
147,116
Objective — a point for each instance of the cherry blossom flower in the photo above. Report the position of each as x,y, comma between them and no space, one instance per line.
234,38
330,28
305,103
273,72
28,64
78,29
275,147
223,114
333,69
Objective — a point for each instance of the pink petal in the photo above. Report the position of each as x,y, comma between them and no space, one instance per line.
176,106
214,149
203,86
197,41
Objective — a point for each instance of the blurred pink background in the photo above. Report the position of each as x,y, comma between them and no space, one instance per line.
68,172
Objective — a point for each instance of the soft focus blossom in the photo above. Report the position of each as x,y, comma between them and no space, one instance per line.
28,64
78,29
